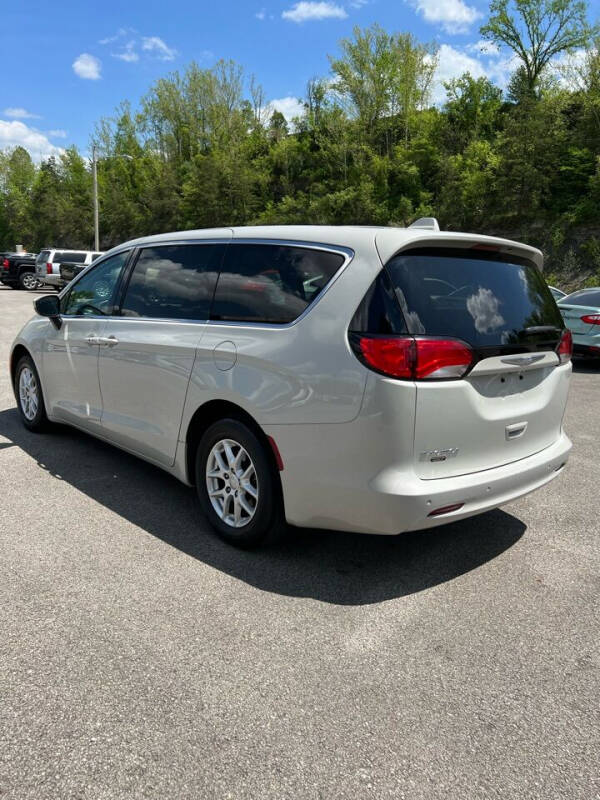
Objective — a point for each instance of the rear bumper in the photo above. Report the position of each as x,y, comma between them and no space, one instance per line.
479,491
396,500
50,280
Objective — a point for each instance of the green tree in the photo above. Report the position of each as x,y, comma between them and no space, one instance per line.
537,31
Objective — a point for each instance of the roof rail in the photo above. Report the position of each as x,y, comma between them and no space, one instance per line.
426,223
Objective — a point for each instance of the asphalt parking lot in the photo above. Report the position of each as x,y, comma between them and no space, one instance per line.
142,658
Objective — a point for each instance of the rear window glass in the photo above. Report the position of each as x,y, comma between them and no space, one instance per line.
484,299
67,255
583,298
43,256
271,283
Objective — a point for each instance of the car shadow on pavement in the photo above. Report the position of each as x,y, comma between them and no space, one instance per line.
341,568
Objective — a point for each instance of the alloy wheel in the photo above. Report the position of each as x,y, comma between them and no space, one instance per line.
232,483
28,393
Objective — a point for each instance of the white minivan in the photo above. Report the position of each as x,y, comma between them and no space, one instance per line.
362,379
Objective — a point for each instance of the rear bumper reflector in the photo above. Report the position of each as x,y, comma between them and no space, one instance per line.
445,510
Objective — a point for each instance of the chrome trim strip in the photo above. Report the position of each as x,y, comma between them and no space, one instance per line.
523,361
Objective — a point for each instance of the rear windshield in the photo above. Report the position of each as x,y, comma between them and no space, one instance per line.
43,256
485,299
583,298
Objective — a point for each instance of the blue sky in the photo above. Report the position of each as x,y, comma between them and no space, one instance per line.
81,59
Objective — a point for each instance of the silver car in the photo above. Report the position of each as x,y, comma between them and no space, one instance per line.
362,379
581,313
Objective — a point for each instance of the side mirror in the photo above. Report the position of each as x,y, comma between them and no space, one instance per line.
49,306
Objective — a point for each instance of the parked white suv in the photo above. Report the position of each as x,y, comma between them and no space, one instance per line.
368,379
47,264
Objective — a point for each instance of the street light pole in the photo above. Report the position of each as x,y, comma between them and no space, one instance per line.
95,182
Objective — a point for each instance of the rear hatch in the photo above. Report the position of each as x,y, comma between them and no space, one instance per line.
41,261
510,404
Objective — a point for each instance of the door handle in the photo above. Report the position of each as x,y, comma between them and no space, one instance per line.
108,341
105,341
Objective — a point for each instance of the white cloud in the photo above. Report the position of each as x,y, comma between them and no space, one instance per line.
261,14
452,63
20,113
455,16
290,107
305,11
118,35
87,67
58,133
128,53
15,134
156,46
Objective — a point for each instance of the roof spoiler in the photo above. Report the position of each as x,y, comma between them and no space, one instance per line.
426,223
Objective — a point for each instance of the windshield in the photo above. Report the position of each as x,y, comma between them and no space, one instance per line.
485,299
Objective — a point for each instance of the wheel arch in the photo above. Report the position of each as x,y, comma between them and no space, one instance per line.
17,354
211,412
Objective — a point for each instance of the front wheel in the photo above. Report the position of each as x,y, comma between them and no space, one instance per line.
237,485
30,399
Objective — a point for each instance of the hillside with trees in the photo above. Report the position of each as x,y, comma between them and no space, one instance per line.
203,148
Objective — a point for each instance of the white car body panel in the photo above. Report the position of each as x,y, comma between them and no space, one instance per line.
350,439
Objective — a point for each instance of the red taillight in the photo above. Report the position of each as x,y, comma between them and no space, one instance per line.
6,263
442,358
591,319
565,347
391,356
414,359
49,268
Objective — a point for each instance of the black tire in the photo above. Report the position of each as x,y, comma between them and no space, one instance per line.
267,522
39,421
28,281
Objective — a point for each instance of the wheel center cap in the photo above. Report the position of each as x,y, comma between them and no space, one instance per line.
234,482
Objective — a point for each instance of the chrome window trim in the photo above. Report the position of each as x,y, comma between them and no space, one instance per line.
347,252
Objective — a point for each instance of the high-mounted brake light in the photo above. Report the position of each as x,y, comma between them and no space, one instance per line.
591,319
565,346
411,358
491,248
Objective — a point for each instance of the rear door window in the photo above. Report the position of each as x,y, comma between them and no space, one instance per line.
485,299
271,283
173,282
67,255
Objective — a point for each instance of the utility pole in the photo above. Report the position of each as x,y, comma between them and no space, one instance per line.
95,182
